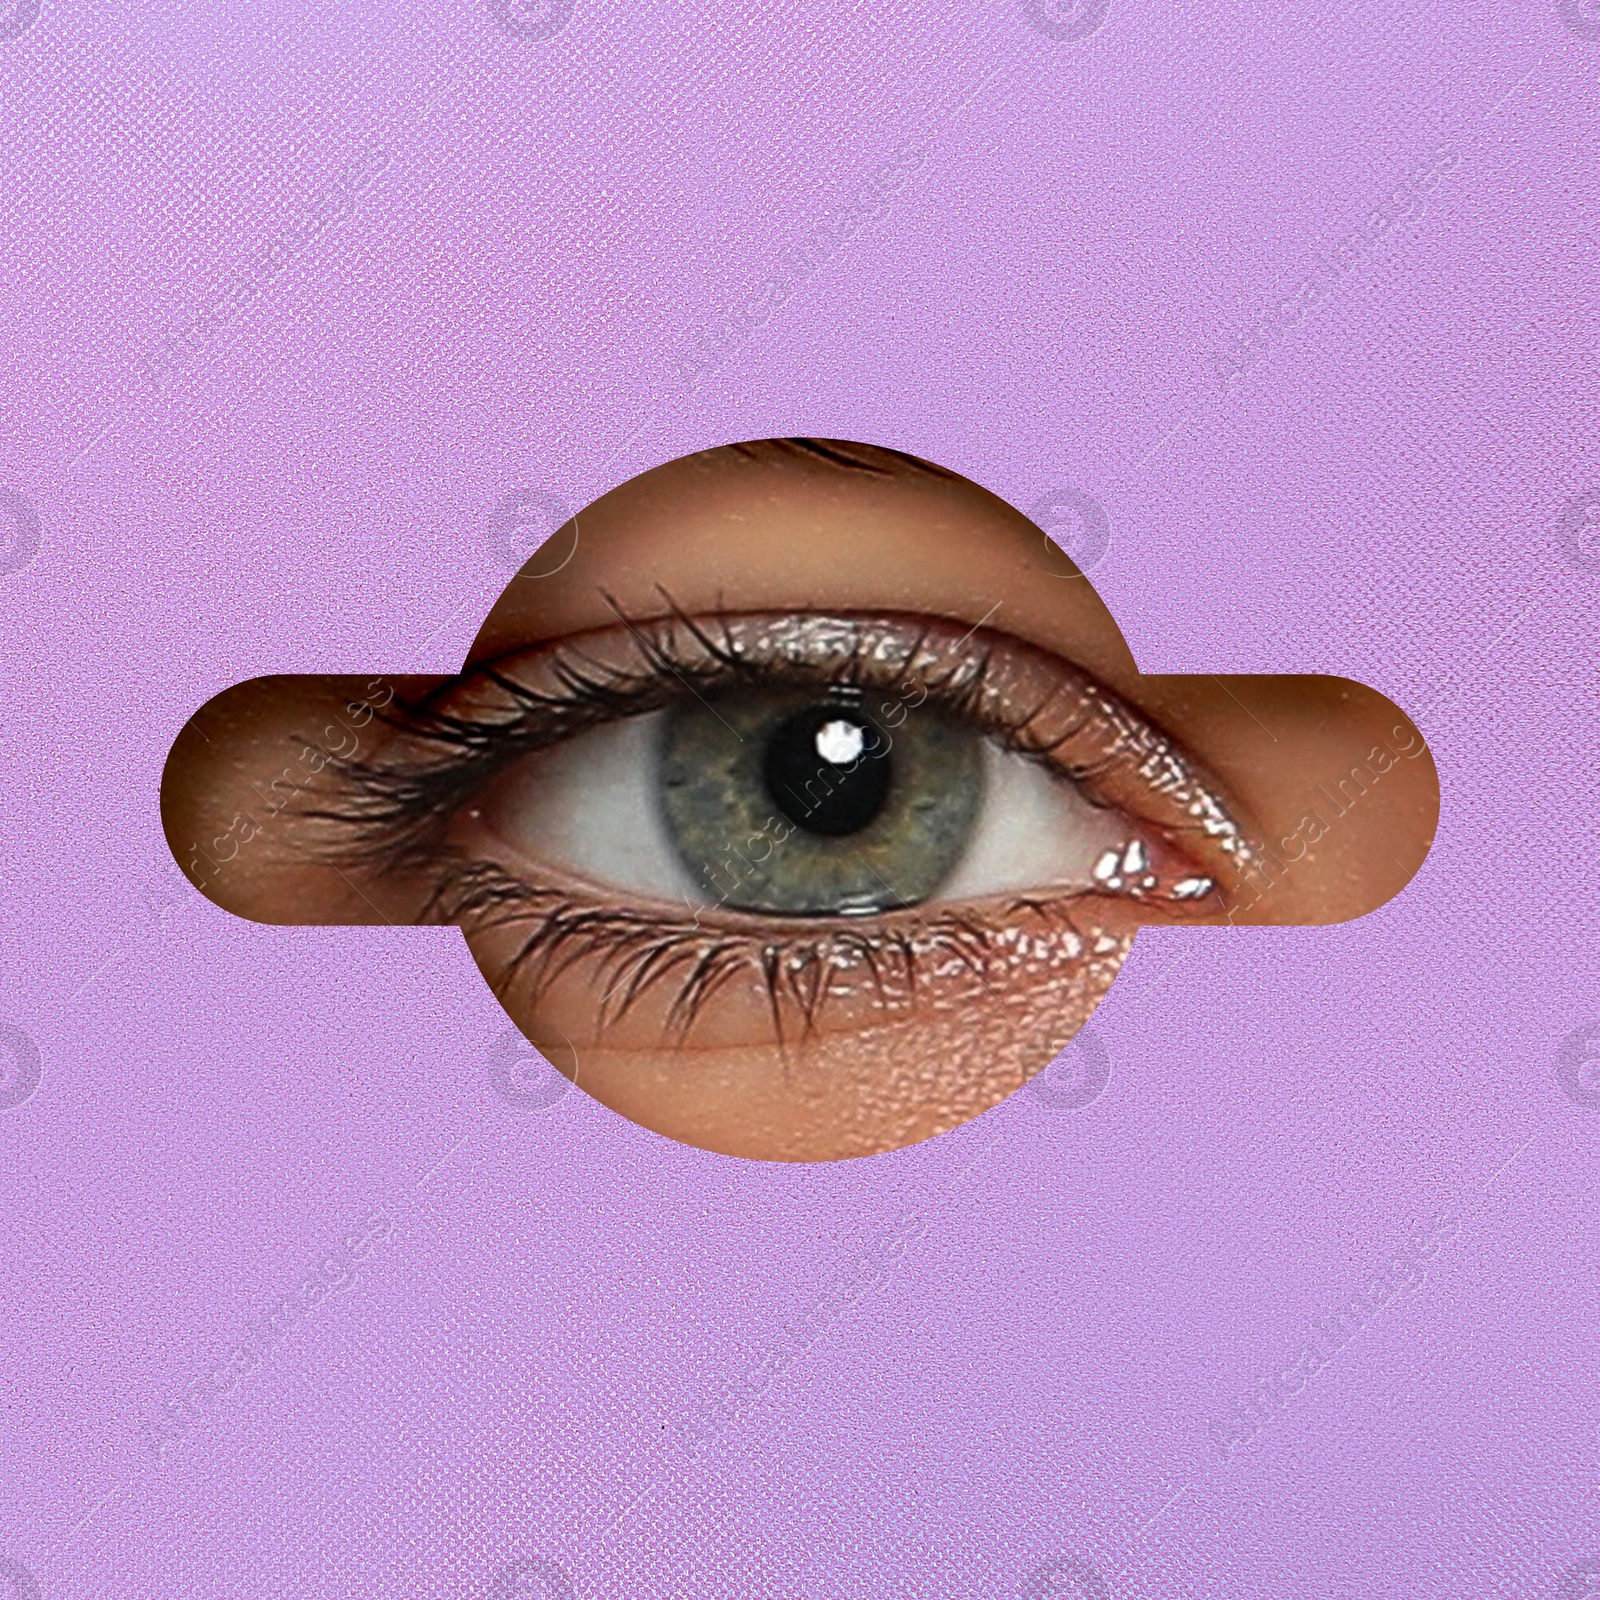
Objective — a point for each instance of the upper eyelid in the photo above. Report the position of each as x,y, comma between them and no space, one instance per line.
496,711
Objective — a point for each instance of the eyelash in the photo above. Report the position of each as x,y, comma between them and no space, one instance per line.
397,810
636,951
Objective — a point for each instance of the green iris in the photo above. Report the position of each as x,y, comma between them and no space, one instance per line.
808,802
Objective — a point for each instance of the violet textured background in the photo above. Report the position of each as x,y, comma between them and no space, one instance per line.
310,312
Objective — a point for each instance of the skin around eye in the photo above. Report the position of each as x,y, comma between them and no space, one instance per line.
801,1015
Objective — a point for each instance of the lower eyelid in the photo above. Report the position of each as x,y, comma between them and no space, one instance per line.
617,977
605,969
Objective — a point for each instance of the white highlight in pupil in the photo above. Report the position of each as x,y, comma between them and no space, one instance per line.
840,742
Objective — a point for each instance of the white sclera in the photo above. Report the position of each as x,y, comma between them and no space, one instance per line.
1035,831
590,807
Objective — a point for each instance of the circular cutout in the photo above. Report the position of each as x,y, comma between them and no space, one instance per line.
794,803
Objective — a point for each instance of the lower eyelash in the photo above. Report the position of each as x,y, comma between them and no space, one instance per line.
639,951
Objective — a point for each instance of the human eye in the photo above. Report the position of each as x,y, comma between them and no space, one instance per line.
817,771
847,767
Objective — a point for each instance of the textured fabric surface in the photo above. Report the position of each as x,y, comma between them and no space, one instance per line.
311,315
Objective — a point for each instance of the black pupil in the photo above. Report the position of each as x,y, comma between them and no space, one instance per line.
828,770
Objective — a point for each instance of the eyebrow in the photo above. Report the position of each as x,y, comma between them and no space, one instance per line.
876,460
